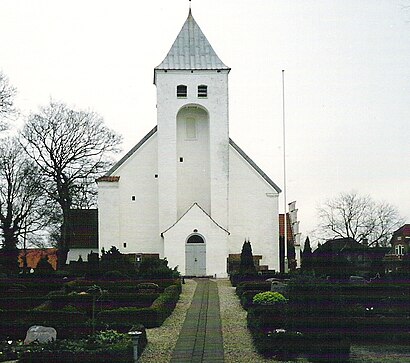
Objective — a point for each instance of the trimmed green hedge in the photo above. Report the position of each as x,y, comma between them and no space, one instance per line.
122,286
260,286
105,302
150,317
35,317
378,329
274,335
29,287
70,314
21,303
246,298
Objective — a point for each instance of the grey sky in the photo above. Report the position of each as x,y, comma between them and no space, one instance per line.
347,71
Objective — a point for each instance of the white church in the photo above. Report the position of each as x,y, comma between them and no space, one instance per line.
186,191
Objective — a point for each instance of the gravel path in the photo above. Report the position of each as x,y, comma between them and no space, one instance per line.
162,340
237,341
238,346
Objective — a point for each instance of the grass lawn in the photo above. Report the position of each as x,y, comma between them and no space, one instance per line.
379,353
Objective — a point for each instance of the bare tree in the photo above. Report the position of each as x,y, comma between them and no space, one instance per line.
7,93
358,217
21,199
71,148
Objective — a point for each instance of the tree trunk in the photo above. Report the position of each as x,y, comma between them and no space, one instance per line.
10,251
66,233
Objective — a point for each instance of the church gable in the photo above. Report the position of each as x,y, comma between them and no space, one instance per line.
258,171
197,244
195,214
116,168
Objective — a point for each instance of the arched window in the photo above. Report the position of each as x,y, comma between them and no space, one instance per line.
195,239
202,91
182,91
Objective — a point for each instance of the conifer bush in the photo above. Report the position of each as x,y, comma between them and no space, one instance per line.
269,298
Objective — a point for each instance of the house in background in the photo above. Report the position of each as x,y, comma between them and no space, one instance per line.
293,237
187,191
291,256
34,255
345,257
84,236
400,246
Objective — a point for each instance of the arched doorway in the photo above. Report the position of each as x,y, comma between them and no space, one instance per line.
195,256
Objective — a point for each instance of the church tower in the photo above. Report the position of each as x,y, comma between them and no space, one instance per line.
193,151
192,118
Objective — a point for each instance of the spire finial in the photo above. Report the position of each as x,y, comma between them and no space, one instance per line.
190,6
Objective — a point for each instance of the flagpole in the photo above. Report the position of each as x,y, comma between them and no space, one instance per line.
285,219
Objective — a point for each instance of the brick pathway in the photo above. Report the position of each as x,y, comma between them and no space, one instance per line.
200,339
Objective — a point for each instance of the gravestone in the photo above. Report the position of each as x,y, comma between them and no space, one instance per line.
42,334
278,286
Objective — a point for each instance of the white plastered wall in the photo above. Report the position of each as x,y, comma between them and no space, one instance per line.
215,239
123,220
168,106
193,171
253,212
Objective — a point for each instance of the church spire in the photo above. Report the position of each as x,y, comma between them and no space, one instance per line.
191,50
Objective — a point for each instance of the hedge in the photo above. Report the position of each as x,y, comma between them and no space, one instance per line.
122,286
260,286
150,317
274,335
246,298
64,356
30,286
237,278
378,329
105,302
36,317
21,303
15,323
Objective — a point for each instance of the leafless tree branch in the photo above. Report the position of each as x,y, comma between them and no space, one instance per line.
358,217
71,148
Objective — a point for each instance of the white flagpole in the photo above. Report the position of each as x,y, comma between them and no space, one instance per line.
285,219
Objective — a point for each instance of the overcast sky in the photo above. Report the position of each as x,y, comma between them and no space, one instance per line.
347,80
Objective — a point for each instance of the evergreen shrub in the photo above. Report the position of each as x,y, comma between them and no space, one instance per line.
115,275
269,298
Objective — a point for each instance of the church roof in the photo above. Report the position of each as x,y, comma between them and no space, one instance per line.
110,177
191,50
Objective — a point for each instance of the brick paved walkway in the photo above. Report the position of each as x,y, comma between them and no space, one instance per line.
200,339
